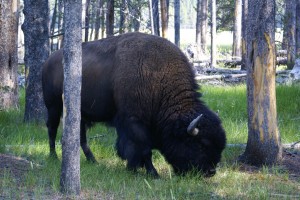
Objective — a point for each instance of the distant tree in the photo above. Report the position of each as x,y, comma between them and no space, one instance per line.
213,34
164,18
72,61
244,33
99,5
52,25
155,12
59,23
9,15
87,20
298,29
237,30
124,17
198,26
36,34
263,146
110,18
136,10
177,21
290,15
204,21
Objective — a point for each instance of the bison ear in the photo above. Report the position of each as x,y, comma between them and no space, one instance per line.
192,128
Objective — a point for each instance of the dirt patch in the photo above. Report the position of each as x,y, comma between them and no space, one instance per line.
290,164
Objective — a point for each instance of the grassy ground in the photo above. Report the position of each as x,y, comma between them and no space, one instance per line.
109,179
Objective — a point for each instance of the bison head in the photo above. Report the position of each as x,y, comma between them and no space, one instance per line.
197,146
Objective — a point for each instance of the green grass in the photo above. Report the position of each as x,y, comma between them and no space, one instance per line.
110,179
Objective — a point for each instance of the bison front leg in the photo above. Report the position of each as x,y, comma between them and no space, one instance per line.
83,143
134,145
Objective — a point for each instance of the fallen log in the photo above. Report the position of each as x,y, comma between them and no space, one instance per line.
231,63
220,77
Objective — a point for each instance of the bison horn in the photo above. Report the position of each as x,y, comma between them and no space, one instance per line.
192,128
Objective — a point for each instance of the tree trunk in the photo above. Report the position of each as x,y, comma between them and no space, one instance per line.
9,16
36,34
87,21
237,30
198,24
298,29
213,33
59,23
52,26
177,22
164,18
263,146
291,30
137,15
156,17
244,33
110,18
72,60
204,9
98,18
124,17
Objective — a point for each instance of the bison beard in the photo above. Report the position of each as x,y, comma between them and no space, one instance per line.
144,86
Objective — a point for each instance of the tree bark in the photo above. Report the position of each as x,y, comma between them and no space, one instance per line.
164,18
9,16
213,33
198,24
110,18
72,61
59,23
291,30
237,30
177,22
263,145
36,34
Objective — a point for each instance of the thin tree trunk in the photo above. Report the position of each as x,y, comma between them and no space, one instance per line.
72,59
124,17
213,33
177,22
198,24
87,21
137,15
151,17
237,30
9,16
36,34
110,18
52,25
263,146
298,29
98,19
291,30
164,18
156,17
59,23
244,33
204,18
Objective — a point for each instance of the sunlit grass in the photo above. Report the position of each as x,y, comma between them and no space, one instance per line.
109,178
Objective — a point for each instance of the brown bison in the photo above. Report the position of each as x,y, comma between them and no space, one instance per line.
144,86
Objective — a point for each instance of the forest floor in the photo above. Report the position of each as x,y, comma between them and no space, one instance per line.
18,167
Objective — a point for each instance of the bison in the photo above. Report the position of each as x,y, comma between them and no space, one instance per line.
144,86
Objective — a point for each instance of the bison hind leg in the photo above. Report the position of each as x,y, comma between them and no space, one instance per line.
83,142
